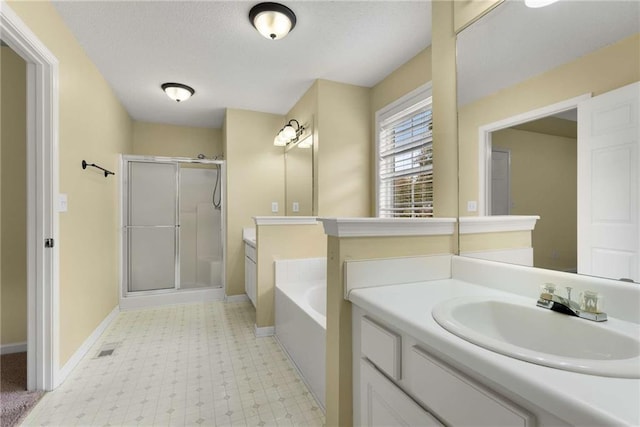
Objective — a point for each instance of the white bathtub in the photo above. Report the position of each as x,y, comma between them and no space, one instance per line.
301,328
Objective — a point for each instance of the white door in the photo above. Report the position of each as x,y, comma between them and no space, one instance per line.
608,187
500,181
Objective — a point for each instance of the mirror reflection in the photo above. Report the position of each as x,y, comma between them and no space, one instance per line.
299,178
548,125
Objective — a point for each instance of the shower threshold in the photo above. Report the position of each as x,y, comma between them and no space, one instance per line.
149,299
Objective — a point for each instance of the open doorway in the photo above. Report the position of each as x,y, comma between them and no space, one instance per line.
41,171
534,172
13,243
607,186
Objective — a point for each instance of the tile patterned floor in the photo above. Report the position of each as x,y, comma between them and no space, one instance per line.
196,364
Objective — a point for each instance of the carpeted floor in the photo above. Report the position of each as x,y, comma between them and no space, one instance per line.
15,400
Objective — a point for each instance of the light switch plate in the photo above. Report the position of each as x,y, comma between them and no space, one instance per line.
274,207
62,202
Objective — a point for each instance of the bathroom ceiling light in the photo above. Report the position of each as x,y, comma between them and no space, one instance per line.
289,133
177,91
538,3
272,20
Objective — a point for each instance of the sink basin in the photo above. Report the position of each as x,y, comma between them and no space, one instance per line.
541,336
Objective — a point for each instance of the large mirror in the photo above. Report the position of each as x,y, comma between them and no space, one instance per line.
548,115
299,177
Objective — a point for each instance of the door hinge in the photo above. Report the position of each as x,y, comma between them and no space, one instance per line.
48,243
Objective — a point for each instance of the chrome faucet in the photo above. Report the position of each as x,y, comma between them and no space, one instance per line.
549,300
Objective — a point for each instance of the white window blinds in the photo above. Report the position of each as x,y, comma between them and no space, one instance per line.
405,159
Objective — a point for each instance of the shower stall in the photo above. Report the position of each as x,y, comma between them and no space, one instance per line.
172,230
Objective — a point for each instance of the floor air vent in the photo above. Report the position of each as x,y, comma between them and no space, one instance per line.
107,349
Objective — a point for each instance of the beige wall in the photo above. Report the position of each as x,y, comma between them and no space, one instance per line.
94,127
156,139
544,182
467,12
344,150
409,76
342,146
299,180
604,70
305,111
282,242
339,408
13,178
445,124
495,241
255,178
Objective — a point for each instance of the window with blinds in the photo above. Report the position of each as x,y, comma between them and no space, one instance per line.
405,159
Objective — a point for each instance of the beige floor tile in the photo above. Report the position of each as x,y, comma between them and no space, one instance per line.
197,364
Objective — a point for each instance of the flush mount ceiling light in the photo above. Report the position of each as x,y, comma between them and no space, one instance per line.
177,91
272,20
288,134
538,3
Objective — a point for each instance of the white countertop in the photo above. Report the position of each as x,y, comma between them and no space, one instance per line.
576,398
249,236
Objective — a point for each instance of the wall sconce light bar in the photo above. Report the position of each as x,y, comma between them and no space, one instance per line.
289,134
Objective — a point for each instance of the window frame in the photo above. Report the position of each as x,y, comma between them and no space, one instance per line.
406,101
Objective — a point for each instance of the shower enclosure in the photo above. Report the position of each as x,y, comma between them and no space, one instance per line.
173,230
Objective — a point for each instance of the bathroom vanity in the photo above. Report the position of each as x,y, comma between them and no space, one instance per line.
409,369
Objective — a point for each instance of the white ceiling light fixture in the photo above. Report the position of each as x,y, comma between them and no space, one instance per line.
177,91
538,3
272,20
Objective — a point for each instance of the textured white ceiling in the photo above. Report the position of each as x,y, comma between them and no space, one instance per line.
513,42
211,46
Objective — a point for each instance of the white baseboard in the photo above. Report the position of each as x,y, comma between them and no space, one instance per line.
236,298
265,331
75,359
15,347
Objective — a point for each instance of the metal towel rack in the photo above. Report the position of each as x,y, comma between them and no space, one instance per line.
106,172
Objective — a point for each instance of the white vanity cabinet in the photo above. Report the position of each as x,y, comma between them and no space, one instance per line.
383,404
400,383
250,274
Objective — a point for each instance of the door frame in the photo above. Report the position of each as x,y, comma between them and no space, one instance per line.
485,144
42,192
124,160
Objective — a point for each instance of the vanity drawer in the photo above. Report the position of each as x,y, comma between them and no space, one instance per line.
457,399
384,404
250,252
381,346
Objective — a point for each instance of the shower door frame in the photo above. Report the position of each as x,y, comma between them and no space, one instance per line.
124,208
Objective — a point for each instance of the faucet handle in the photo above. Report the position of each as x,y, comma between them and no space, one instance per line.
568,288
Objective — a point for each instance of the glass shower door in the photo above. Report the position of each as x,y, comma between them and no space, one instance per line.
152,229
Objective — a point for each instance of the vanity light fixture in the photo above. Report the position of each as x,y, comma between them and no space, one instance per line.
177,91
288,134
272,20
538,3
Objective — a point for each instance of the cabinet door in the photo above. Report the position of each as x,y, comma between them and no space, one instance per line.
250,279
253,284
247,276
384,404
